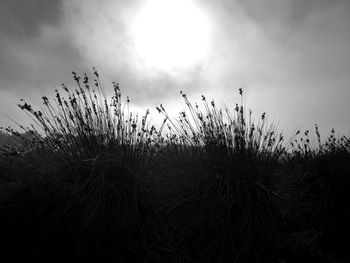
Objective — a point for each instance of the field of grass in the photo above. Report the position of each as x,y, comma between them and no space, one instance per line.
91,181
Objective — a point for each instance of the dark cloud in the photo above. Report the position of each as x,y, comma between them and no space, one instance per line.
37,65
22,19
9,64
301,9
289,13
35,50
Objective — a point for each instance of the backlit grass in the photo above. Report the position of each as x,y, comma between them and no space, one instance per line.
93,181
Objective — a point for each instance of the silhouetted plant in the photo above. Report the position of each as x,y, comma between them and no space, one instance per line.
90,180
232,213
96,153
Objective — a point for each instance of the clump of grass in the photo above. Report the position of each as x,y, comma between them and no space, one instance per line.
234,131
93,155
230,215
85,123
303,147
314,189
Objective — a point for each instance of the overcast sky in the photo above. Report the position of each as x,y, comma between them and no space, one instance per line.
292,57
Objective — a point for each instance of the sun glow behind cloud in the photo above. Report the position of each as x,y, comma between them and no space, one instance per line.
158,42
170,34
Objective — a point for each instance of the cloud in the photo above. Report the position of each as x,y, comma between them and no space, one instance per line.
35,50
286,13
291,56
23,19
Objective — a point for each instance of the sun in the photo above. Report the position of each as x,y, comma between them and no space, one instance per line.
171,34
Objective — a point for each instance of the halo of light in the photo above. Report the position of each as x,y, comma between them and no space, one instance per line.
171,34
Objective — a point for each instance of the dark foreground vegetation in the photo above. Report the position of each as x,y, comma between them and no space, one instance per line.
90,181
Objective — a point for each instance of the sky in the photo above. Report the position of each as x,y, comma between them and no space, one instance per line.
291,57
